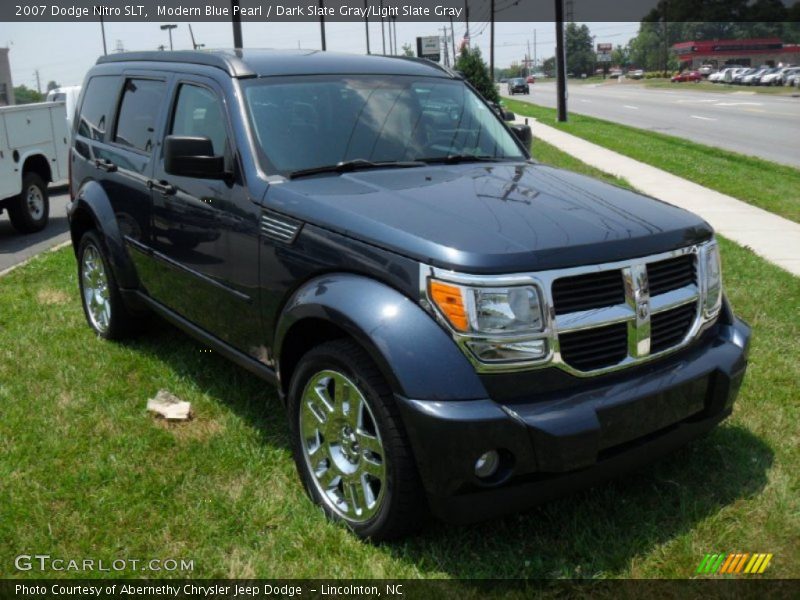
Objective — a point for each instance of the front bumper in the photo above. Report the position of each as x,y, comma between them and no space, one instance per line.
566,440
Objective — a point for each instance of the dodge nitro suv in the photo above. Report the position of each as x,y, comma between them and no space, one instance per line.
451,326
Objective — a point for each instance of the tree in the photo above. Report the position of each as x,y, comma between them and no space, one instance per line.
549,66
580,49
51,85
25,95
470,64
620,56
408,50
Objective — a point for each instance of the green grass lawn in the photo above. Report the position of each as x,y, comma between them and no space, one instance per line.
765,184
86,472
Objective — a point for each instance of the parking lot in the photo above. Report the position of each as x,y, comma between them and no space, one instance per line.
754,124
16,247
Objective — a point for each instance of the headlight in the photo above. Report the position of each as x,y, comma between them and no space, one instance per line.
498,318
712,280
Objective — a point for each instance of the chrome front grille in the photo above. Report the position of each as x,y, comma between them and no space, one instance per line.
627,313
601,318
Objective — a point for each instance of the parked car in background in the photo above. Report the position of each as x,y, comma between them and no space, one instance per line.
530,79
706,70
792,77
636,74
735,75
34,141
780,77
694,76
518,86
450,325
753,77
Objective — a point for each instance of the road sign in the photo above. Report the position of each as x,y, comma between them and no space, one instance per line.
429,47
603,57
604,48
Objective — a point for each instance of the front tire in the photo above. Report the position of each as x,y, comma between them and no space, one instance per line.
349,444
102,302
29,212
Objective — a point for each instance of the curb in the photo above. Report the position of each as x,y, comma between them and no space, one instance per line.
5,272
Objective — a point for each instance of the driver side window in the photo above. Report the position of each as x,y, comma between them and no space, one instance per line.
198,112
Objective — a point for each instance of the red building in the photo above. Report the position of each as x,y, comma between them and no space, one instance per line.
747,53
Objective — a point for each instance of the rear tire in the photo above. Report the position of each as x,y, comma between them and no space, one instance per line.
29,212
103,306
350,446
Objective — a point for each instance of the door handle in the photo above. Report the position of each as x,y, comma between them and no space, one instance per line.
162,186
105,165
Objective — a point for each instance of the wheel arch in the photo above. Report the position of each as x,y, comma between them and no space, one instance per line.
36,162
415,355
92,209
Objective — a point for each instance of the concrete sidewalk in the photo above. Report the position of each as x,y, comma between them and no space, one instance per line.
768,235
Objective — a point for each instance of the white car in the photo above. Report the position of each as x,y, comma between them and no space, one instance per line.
748,79
786,74
732,72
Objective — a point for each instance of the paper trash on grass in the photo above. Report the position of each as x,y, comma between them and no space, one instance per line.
170,406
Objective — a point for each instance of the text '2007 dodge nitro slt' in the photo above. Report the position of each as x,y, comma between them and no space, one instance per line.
452,326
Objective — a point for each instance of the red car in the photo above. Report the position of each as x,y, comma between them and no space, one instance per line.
687,76
530,79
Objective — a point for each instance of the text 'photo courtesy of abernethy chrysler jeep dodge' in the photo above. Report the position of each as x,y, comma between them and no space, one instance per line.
452,327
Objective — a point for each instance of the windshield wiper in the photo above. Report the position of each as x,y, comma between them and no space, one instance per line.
452,159
356,165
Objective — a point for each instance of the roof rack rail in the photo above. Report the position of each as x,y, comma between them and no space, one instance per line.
431,63
229,61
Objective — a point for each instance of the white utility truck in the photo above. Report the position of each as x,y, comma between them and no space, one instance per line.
34,142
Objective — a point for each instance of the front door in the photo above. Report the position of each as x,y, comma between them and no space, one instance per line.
205,231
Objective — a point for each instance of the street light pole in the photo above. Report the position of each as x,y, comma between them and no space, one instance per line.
236,21
322,23
383,33
103,32
491,44
169,29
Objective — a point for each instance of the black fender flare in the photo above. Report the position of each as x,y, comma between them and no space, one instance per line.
92,202
415,354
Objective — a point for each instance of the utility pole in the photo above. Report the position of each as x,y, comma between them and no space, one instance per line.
561,62
322,23
236,21
394,26
38,82
103,33
491,43
446,51
534,49
453,40
391,37
528,58
366,24
169,28
383,33
466,18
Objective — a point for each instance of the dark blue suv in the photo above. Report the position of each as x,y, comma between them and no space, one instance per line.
451,326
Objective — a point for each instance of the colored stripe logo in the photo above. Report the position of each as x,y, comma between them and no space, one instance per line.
735,563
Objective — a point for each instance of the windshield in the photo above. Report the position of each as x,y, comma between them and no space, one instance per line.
306,122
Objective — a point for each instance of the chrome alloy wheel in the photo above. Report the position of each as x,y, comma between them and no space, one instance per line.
342,446
96,295
34,201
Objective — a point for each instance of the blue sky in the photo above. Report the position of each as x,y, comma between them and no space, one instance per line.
64,51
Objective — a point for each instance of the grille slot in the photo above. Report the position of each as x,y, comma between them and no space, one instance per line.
585,292
595,348
279,227
671,274
668,328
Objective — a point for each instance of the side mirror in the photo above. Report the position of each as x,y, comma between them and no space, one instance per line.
192,156
509,116
523,133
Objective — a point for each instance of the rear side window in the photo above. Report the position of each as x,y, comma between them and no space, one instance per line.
198,113
138,113
98,99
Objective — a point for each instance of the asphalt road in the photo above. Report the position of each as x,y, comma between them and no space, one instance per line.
755,124
16,248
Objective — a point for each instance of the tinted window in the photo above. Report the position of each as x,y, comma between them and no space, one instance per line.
198,113
138,113
304,122
98,99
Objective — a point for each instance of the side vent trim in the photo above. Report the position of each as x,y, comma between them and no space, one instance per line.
279,227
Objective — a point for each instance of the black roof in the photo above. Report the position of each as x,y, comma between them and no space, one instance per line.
267,63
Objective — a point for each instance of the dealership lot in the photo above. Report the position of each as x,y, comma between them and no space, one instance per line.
761,125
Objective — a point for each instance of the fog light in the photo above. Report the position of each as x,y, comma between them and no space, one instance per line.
487,464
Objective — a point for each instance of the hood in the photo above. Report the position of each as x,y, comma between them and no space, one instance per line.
490,218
